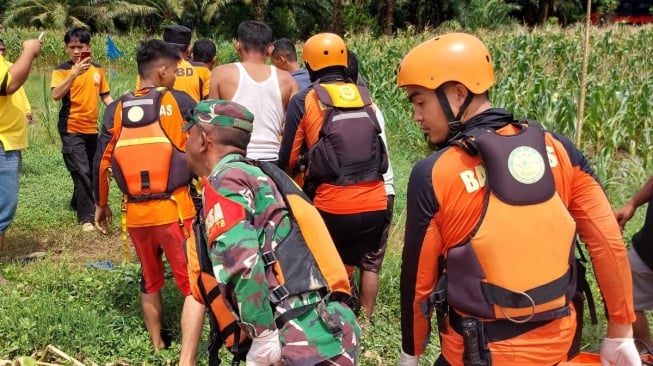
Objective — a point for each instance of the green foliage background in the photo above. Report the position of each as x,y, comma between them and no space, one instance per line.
94,315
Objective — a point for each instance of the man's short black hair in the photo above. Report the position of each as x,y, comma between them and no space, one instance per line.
203,50
230,136
152,51
351,71
286,48
78,33
254,35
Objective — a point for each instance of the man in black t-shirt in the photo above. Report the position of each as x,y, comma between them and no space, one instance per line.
640,256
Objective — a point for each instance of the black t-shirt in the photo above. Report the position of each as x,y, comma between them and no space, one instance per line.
643,239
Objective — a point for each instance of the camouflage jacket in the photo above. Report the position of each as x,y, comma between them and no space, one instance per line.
246,217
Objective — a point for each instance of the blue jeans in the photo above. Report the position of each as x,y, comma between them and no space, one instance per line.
9,170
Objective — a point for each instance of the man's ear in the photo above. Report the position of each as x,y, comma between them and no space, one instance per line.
237,45
461,92
161,71
269,50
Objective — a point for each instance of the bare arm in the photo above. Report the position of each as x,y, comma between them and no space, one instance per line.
77,69
224,82
644,194
214,88
626,212
20,69
289,86
107,99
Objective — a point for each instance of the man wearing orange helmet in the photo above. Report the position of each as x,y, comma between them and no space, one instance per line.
502,292
352,203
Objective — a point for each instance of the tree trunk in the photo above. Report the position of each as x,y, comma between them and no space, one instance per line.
259,6
545,11
336,24
387,16
415,15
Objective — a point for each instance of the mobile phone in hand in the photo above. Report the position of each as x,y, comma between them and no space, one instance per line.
84,55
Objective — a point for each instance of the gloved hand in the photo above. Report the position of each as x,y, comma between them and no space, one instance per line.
407,360
265,350
619,352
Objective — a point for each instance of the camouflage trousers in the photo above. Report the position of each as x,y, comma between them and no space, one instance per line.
327,334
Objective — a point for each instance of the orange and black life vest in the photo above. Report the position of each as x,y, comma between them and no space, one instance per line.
517,269
204,288
145,163
518,262
350,149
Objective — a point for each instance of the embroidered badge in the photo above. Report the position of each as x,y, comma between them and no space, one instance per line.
221,213
526,165
135,114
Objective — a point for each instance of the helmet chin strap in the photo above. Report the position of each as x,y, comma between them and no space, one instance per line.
455,124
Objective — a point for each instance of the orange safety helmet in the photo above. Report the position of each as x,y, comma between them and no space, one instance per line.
456,57
324,50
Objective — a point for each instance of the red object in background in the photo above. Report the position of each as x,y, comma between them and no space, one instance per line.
627,12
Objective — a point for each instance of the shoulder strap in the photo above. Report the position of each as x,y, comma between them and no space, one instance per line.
322,94
326,99
284,183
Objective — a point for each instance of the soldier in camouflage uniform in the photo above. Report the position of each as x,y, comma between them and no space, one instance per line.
245,216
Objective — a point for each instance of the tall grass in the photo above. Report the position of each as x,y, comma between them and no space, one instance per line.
538,74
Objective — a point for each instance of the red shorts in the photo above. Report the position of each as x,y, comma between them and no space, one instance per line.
152,241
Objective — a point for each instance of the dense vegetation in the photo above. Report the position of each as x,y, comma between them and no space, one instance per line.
292,18
94,315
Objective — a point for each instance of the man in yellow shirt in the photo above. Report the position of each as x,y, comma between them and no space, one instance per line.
19,97
13,135
192,78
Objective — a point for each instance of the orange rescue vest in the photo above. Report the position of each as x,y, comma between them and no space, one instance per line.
516,270
145,163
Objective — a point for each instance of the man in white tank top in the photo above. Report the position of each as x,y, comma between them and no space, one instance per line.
263,89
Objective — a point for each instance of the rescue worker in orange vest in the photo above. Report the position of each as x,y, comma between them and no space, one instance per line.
491,220
353,204
142,146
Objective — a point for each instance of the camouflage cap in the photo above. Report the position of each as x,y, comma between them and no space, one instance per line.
221,113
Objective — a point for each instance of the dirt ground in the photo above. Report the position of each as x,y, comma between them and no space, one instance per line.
69,243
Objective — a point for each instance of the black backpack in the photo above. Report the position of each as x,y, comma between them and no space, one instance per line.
349,149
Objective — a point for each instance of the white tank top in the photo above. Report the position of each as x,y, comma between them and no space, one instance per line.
263,99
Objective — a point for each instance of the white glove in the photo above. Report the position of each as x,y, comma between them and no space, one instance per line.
265,350
619,352
407,360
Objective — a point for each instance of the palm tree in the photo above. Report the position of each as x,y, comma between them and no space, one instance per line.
201,14
97,15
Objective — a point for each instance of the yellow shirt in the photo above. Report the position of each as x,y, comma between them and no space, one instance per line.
192,78
13,131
